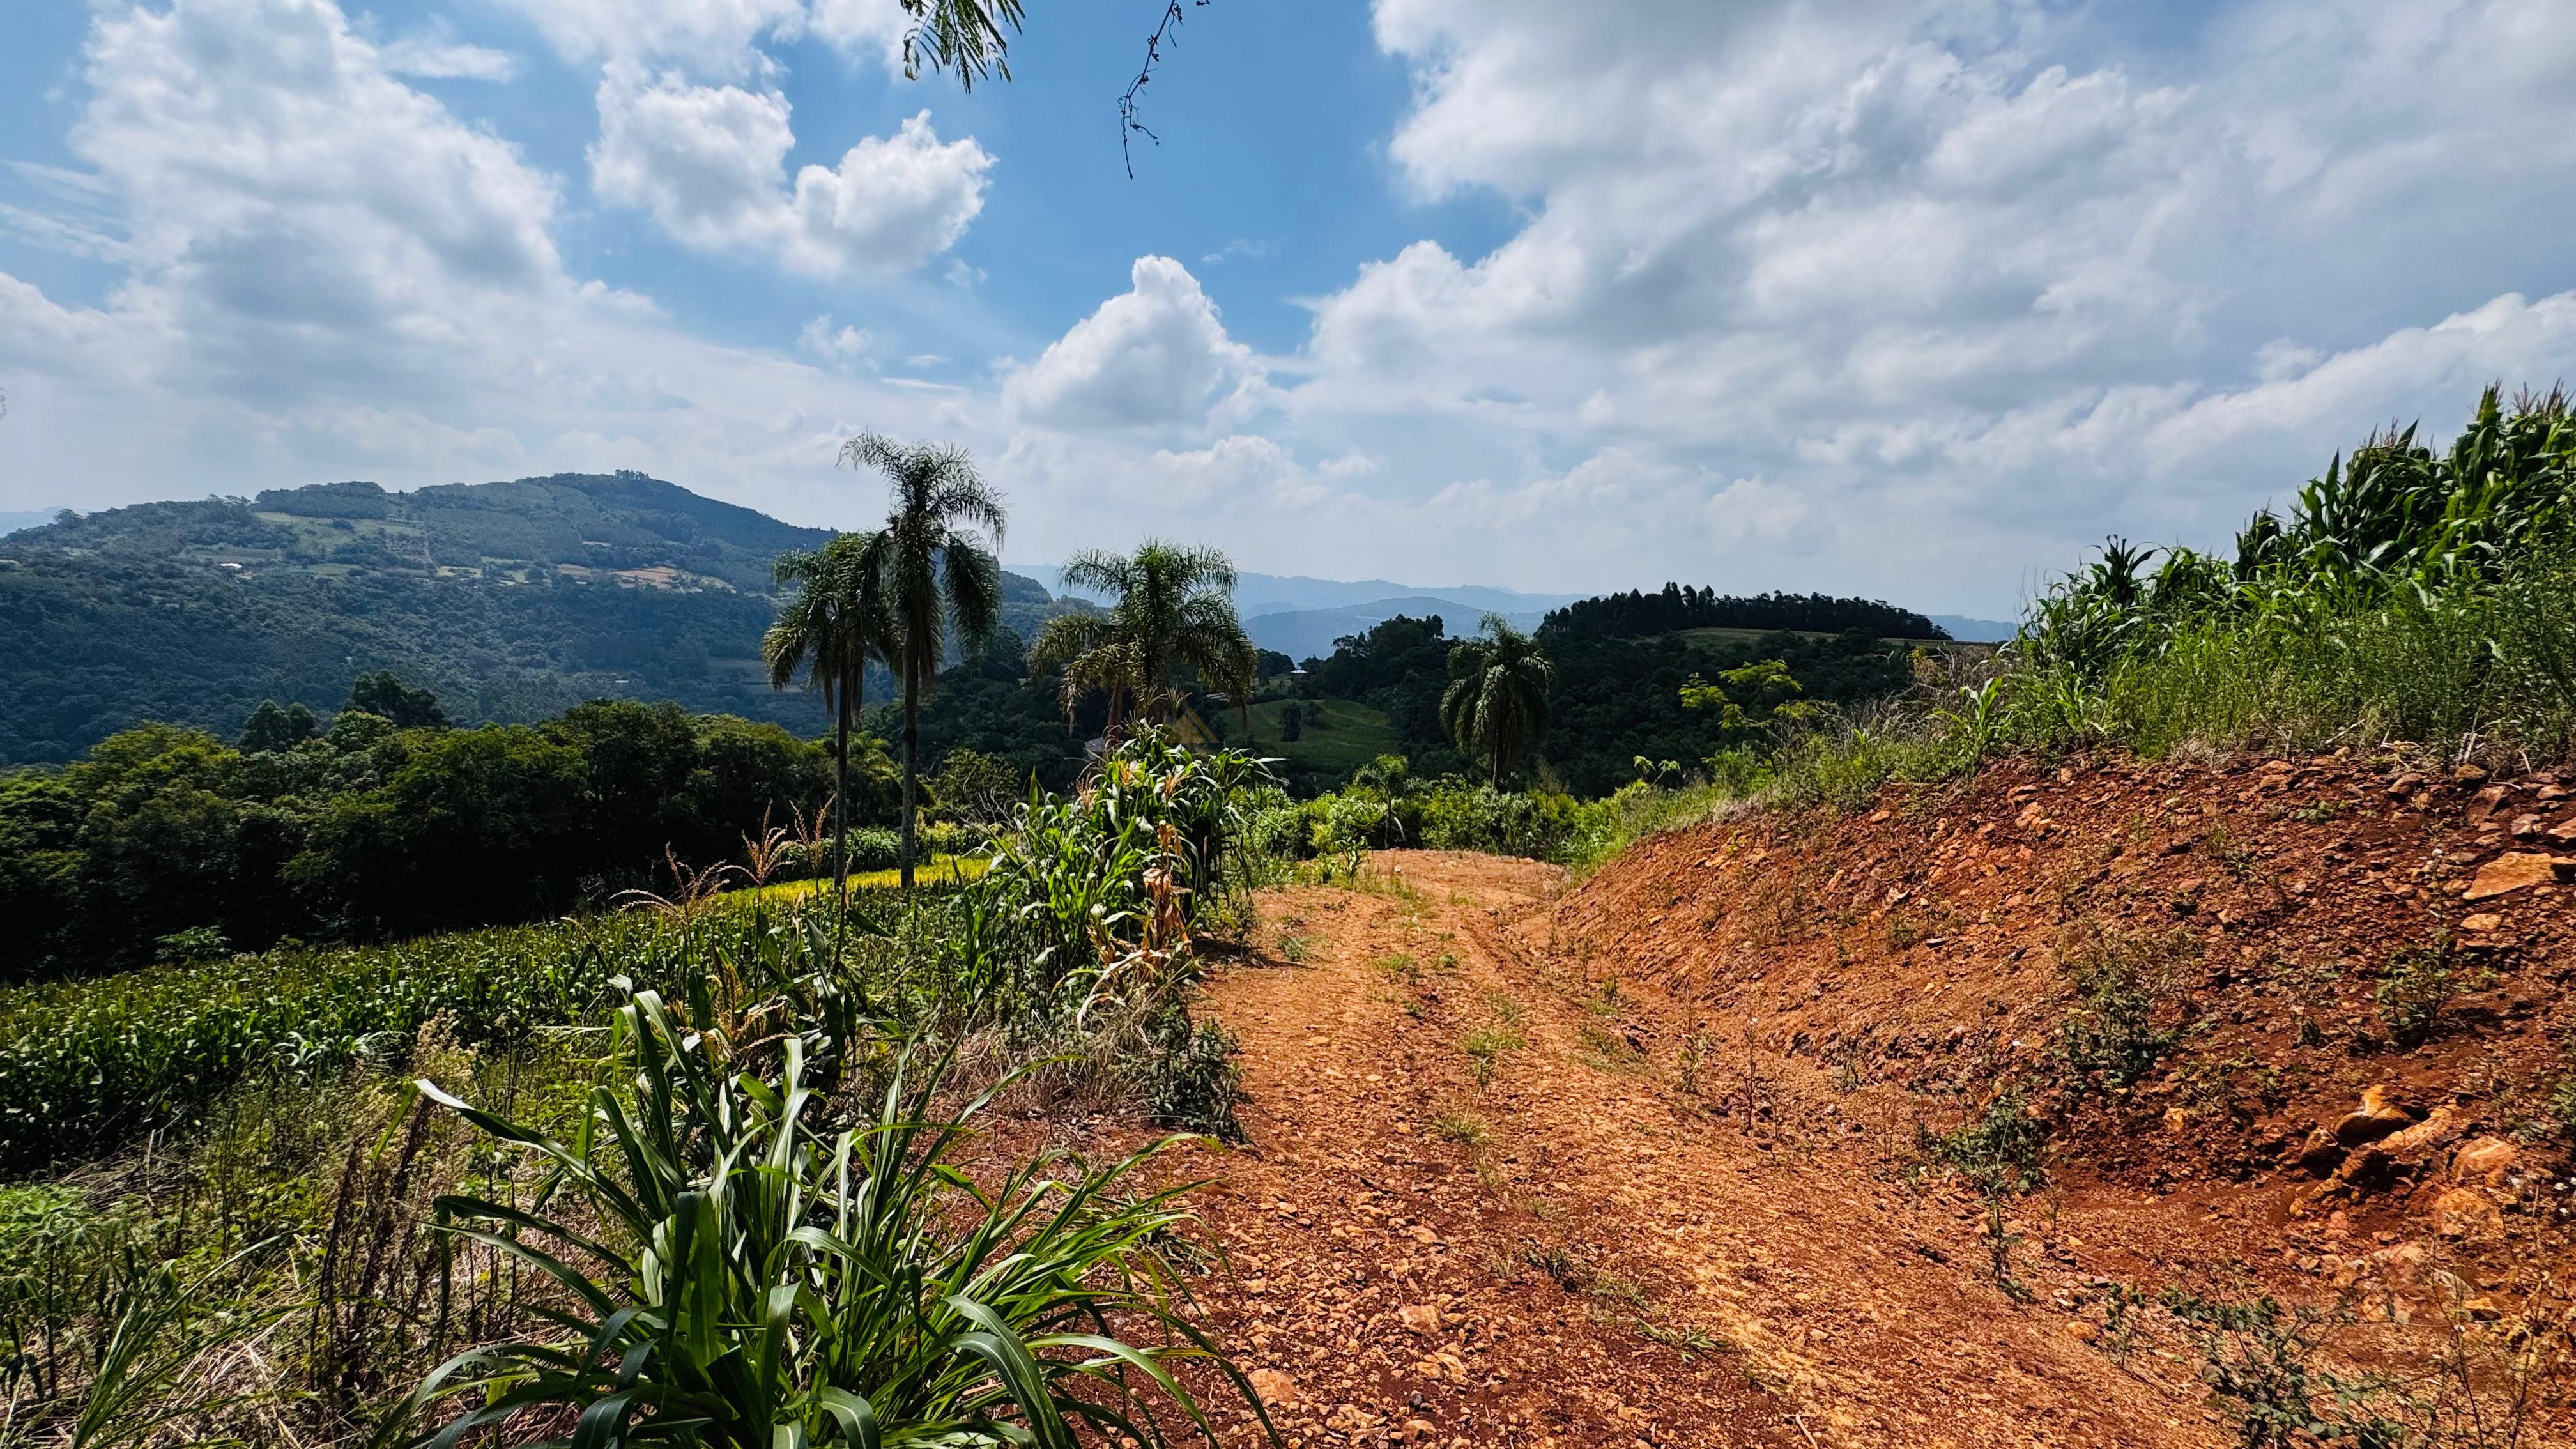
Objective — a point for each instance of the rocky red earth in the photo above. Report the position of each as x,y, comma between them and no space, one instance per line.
1658,1157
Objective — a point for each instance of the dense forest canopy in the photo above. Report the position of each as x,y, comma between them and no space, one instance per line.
1681,606
369,829
1621,661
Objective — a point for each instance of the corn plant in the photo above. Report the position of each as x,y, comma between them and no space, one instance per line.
730,1275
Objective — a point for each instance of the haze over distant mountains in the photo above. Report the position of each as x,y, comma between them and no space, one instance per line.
1301,616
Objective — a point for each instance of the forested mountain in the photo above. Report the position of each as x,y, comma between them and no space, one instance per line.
511,600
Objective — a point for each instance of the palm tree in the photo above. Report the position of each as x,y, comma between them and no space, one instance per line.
1496,703
937,573
1170,604
829,629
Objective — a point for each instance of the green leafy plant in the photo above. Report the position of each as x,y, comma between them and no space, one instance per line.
2113,1036
1998,1154
1485,1047
2418,982
731,1274
2258,1359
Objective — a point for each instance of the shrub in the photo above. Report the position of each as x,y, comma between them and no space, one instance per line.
2112,1038
1186,1075
2411,993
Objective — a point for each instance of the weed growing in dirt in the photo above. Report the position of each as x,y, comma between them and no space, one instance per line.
1606,1050
2562,1097
1295,949
1684,1339
1485,1047
2121,980
2492,1378
2258,1360
1369,880
1903,930
1556,1263
1505,1010
1400,966
2123,1317
2417,983
2221,845
1998,1154
1186,1076
1694,1047
2237,1086
1464,1128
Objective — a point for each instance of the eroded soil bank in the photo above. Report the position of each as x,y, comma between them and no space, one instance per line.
1643,1160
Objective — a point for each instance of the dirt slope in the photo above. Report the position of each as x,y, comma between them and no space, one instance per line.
1641,1160
1616,1261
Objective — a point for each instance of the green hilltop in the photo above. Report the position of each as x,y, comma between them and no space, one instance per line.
510,600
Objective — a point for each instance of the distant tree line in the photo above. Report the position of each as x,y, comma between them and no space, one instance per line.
1619,664
170,840
1680,606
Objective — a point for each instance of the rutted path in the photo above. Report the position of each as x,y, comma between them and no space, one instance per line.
1578,1252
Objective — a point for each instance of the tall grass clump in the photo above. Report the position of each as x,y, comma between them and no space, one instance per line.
2408,594
733,1272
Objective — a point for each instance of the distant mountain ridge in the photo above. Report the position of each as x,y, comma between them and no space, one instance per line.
1257,594
1975,631
1303,634
511,600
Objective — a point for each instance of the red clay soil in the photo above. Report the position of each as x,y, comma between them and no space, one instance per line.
1691,1201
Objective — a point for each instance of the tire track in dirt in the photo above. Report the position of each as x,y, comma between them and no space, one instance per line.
1577,1253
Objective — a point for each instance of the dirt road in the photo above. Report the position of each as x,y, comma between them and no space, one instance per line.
1482,1205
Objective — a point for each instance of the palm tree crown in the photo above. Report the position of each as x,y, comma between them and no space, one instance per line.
1171,604
938,563
1496,703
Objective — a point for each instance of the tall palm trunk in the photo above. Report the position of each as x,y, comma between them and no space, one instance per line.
841,818
841,794
1498,760
911,766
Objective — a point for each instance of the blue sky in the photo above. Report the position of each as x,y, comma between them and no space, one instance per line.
1914,299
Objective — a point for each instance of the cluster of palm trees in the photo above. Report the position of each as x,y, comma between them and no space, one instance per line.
900,595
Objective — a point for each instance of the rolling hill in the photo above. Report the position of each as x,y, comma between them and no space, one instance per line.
510,600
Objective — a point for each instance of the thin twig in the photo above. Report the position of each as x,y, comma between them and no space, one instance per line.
1129,127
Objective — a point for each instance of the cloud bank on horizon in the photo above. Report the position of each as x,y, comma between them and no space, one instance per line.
1909,299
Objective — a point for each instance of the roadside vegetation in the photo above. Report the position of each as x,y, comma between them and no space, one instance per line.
320,1194
2409,598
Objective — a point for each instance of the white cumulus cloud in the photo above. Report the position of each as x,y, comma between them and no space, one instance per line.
707,163
1156,354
